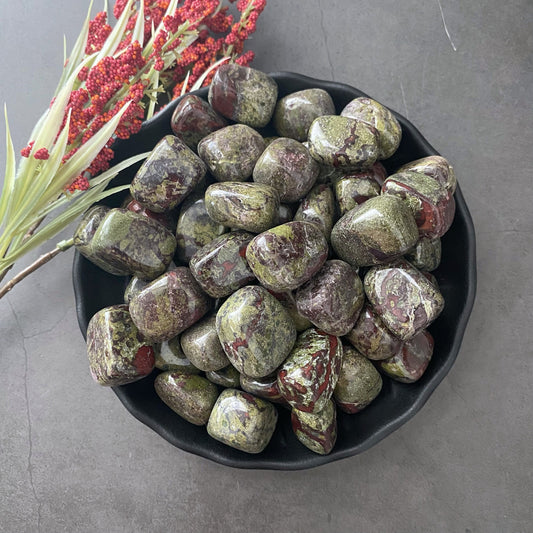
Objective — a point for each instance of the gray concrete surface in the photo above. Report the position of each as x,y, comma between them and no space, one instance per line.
71,457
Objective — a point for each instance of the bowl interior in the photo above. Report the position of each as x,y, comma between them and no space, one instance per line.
95,289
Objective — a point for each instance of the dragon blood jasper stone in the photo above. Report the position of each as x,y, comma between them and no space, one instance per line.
255,330
287,166
343,142
286,298
316,431
318,207
220,267
195,229
166,219
242,421
135,286
169,174
437,168
190,396
170,356
169,305
193,119
377,115
227,377
243,94
333,298
426,254
132,243
295,112
231,153
403,297
372,338
118,353
411,362
309,375
285,213
285,257
249,206
201,346
359,382
266,387
375,232
432,205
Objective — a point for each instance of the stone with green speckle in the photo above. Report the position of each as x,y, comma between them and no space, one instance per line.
242,421
227,377
318,207
436,167
316,431
286,298
170,356
135,286
426,254
265,387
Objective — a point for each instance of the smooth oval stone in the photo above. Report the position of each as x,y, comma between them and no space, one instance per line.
133,243
285,213
436,167
170,173
249,206
432,206
372,338
227,377
169,305
195,229
359,382
333,298
285,257
286,298
295,112
316,431
378,116
193,119
318,207
190,396
426,254
166,219
242,421
309,375
287,166
118,353
243,94
232,152
170,356
377,231
411,362
343,142
220,267
266,387
135,286
403,297
201,346
255,331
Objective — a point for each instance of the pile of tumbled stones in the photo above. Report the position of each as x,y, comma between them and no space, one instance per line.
287,270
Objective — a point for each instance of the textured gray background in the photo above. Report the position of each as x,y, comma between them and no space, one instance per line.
72,458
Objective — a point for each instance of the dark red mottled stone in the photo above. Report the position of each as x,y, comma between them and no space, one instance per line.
286,298
266,387
316,431
436,167
426,254
167,219
318,207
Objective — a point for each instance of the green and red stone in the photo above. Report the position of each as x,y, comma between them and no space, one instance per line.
285,257
242,421
190,396
436,167
227,377
316,431
318,207
286,298
333,298
135,286
308,377
118,353
265,387
170,356
167,219
403,297
426,254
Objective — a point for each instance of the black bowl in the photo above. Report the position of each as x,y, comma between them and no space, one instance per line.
397,403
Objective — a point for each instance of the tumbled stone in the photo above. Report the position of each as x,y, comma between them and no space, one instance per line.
295,112
309,375
378,116
286,298
170,356
132,243
242,421
249,206
265,387
220,267
135,286
359,382
190,396
426,254
285,213
436,167
353,190
411,362
372,338
232,152
287,166
167,218
432,205
285,257
318,207
343,142
193,119
333,298
403,297
170,173
316,431
243,94
169,305
118,353
227,377
377,231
